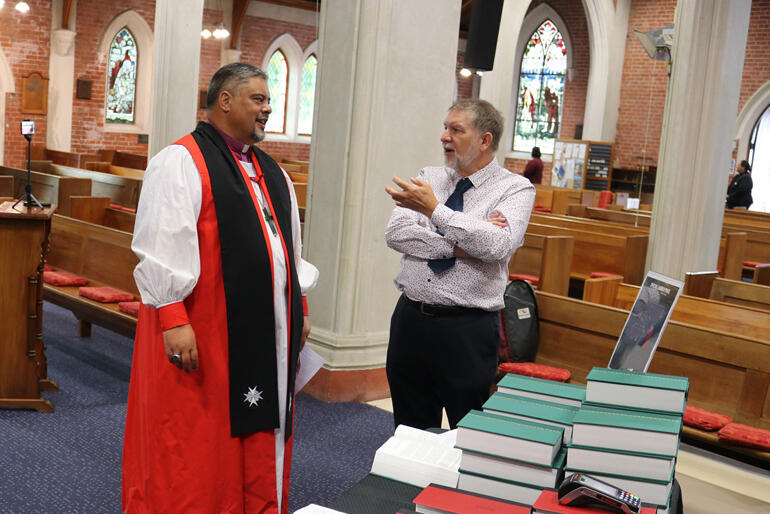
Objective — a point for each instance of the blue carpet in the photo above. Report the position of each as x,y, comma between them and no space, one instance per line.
68,461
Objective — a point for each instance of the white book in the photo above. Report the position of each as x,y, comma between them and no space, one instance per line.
418,457
499,489
617,463
539,396
517,471
651,492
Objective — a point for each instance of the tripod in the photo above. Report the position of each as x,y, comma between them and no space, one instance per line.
28,198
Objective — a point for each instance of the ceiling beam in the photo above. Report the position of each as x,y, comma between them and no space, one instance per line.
239,13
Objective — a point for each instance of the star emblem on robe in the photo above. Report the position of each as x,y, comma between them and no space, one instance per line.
252,396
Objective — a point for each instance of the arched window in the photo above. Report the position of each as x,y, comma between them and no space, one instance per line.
307,96
541,89
278,83
121,78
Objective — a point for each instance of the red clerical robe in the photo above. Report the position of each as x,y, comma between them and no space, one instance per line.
178,454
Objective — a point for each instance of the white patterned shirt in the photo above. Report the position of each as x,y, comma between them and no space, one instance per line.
472,282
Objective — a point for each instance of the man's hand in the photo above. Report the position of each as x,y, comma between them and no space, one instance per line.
181,341
417,196
305,332
498,220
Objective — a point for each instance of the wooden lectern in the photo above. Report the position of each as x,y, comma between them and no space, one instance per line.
23,244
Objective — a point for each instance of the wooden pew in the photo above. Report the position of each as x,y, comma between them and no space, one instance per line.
123,190
300,189
41,153
6,187
556,198
728,372
712,313
546,257
594,251
97,210
625,217
48,188
741,293
103,256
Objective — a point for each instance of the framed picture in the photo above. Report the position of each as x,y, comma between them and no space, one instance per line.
34,94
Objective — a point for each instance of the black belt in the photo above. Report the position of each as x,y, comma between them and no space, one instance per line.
432,309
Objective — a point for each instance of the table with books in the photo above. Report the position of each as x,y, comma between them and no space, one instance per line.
622,428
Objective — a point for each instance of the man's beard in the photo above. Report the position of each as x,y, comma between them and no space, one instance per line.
462,161
257,136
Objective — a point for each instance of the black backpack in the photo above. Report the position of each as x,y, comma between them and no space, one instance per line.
520,334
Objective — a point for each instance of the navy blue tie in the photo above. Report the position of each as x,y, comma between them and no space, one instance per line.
454,202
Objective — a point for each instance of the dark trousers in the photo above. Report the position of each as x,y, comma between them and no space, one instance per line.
440,360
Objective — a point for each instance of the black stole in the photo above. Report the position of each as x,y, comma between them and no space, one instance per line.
248,284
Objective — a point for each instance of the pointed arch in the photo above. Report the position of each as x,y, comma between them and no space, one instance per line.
749,116
144,38
306,98
292,52
6,86
534,20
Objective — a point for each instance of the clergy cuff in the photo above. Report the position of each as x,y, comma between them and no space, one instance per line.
173,315
304,305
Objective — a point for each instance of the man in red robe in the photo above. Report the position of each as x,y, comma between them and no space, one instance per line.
209,419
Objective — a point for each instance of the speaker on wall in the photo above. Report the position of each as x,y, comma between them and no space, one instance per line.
482,34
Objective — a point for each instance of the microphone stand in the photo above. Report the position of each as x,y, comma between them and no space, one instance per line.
28,198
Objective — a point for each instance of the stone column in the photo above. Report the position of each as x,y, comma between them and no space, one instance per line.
384,85
61,79
175,71
696,141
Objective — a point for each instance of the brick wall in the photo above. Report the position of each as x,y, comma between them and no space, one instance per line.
25,40
643,89
88,132
756,63
464,84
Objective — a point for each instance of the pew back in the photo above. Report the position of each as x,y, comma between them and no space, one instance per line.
48,188
548,258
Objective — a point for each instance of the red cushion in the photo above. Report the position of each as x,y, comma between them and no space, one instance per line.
542,208
532,279
105,294
47,268
752,264
602,274
744,435
605,197
62,278
532,369
131,308
704,419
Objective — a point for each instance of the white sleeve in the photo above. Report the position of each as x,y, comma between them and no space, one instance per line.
165,233
306,272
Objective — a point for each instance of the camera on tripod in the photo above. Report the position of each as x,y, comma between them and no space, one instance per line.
27,127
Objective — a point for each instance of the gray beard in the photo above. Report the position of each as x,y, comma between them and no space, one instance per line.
257,137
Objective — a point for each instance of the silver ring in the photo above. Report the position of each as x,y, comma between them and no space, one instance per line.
175,358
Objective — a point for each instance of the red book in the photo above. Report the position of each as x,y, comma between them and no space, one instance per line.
548,503
440,499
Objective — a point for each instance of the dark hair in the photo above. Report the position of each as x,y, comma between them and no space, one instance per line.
485,118
229,78
746,165
536,152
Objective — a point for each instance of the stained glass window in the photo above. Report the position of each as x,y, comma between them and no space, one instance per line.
541,90
307,96
121,70
278,83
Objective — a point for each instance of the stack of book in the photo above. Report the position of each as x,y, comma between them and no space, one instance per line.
514,448
627,432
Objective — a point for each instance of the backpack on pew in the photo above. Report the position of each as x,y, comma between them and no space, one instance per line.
520,334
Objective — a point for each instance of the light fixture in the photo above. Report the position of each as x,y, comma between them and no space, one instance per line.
465,72
22,7
479,73
2,3
220,32
205,33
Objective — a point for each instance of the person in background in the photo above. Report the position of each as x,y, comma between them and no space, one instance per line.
534,169
739,190
457,226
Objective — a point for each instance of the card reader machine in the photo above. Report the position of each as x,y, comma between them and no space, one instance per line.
581,490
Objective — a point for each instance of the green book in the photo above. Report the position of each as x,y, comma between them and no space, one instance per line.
616,462
627,430
568,394
515,470
651,492
508,437
531,409
635,389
